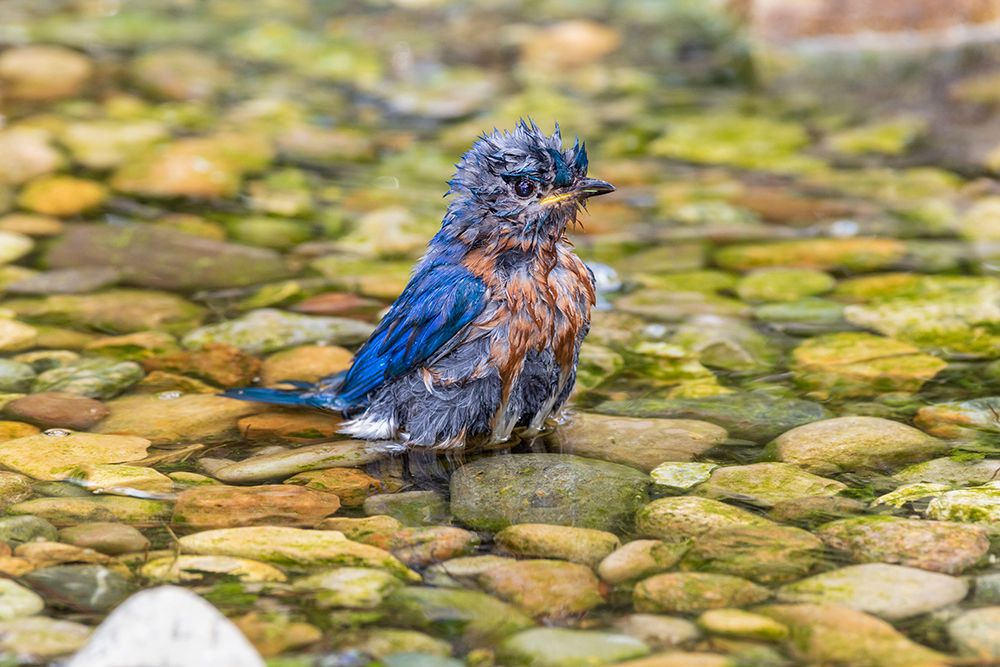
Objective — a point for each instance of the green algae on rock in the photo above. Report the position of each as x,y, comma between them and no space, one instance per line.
765,484
270,330
492,493
691,516
766,555
694,592
117,311
538,540
852,254
564,647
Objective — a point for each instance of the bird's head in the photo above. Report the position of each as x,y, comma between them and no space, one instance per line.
522,185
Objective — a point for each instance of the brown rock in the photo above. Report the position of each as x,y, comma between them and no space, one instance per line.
58,410
376,531
106,537
47,554
283,427
423,546
41,73
544,588
272,634
308,363
218,363
269,504
351,485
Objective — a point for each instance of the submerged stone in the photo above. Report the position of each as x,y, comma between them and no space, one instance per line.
966,420
758,417
537,540
694,592
681,476
784,284
544,588
350,587
766,555
974,633
269,330
70,511
195,569
639,559
218,506
166,419
56,456
855,443
742,624
564,647
340,454
690,516
850,254
42,73
412,508
475,618
979,505
116,311
766,484
93,378
492,493
61,196
105,537
891,591
41,637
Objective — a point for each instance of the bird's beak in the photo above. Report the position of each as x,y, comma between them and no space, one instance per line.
584,189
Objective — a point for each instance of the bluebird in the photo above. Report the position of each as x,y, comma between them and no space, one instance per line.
486,336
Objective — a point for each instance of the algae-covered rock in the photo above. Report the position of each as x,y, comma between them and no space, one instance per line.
767,555
859,364
57,455
187,568
965,420
951,471
690,516
890,591
42,637
26,153
412,508
160,257
70,511
855,443
727,343
91,588
93,378
544,588
938,546
840,635
694,592
639,559
849,254
15,377
269,330
681,476
115,311
218,506
888,137
475,618
179,74
784,284
41,73
766,484
351,587
167,418
61,196
537,540
641,443
293,548
564,647
974,633
492,493
979,505
17,530
750,416
278,465
104,144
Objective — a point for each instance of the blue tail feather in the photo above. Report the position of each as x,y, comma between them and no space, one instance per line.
276,396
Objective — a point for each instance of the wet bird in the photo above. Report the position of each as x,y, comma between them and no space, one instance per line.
486,336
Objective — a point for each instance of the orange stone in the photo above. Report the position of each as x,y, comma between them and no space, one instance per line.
269,504
302,427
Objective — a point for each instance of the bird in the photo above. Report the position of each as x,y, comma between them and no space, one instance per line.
485,338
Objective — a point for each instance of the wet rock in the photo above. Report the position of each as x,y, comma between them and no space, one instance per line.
640,443
17,601
218,506
41,637
163,258
695,592
14,488
112,311
121,479
766,484
351,485
492,493
784,284
92,588
179,74
324,145
220,364
69,511
411,508
681,476
166,419
93,378
105,144
268,330
13,246
66,281
974,633
42,73
909,493
55,456
727,343
423,546
196,569
837,634
342,454
200,167
855,443
134,347
674,306
758,417
544,588
578,545
474,618
47,554
386,643
771,555
690,516
947,470
850,254
290,427
930,545
742,624
350,587
978,505
307,363
30,224
9,430
61,196
410,659
107,538
293,547
26,153
462,572
17,530
16,336
15,377
852,364
658,632
273,633
680,659
570,44
561,647
639,559
891,591
171,623
966,420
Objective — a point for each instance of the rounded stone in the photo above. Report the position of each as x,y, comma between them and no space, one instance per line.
58,410
855,443
641,558
564,647
742,624
43,73
695,592
106,537
976,633
538,540
656,631
544,588
493,493
690,516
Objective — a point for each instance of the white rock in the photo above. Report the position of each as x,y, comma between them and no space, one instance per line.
167,627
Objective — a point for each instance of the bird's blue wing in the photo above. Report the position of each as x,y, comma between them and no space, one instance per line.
438,303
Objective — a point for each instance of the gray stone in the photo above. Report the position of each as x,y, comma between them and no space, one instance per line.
564,647
92,588
411,508
15,530
976,633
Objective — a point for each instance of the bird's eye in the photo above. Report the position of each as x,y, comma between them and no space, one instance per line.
524,187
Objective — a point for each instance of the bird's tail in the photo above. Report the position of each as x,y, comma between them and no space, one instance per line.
275,396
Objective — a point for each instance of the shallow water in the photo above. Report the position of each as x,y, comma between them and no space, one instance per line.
792,378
